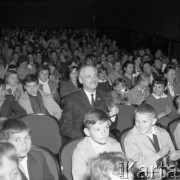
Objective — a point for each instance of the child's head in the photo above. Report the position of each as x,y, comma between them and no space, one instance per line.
159,86
96,123
170,73
102,73
129,67
16,132
144,118
117,66
120,86
11,78
44,73
9,162
158,63
143,79
147,67
2,90
23,60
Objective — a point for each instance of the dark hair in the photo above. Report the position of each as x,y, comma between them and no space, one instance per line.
43,68
9,151
11,126
70,70
9,73
146,62
160,80
119,81
145,109
2,83
12,67
168,68
93,116
127,63
141,77
30,78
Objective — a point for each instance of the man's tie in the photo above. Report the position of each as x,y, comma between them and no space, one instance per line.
92,100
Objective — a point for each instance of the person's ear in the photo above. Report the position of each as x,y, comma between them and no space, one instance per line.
86,132
154,121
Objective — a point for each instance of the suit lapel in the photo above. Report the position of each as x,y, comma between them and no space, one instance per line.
98,99
85,99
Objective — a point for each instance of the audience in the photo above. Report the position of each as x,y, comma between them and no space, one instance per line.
9,162
8,105
97,141
32,164
34,101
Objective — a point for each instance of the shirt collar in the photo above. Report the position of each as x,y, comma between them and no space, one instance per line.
158,97
152,132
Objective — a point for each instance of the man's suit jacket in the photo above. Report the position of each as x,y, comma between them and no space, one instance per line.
66,88
76,105
137,144
136,95
51,106
86,150
37,167
10,108
176,88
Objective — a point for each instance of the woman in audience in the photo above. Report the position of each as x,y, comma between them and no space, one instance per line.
9,162
162,103
173,86
140,92
128,74
13,86
72,84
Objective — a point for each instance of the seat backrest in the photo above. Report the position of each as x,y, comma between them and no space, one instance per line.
171,128
125,117
45,132
65,157
51,161
123,136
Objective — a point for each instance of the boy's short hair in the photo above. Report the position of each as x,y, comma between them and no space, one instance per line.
9,151
30,78
12,126
100,167
119,81
160,80
43,68
145,109
93,116
2,83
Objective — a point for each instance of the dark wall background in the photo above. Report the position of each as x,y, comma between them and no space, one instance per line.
158,18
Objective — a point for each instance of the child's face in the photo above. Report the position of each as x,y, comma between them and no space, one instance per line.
158,64
12,79
9,170
147,68
120,88
22,143
144,122
171,75
146,82
31,88
158,89
44,75
99,132
24,64
129,69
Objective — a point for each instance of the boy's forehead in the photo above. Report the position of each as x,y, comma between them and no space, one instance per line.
99,124
144,116
20,133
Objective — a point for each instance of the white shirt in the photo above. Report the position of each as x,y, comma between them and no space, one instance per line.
24,168
45,86
99,148
89,96
150,134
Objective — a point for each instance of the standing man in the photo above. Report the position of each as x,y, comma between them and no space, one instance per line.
77,104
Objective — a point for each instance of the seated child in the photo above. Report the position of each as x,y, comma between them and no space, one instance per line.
13,86
111,166
121,93
97,141
104,82
147,144
35,101
162,103
9,162
47,85
8,106
32,164
140,92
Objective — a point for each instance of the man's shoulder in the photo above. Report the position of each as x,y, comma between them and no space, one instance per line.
36,155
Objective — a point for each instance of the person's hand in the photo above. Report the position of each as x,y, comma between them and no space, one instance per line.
174,156
113,111
168,110
163,152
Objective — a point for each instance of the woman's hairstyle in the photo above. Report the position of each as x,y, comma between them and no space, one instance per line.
8,150
93,116
8,73
175,102
43,68
11,126
100,167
